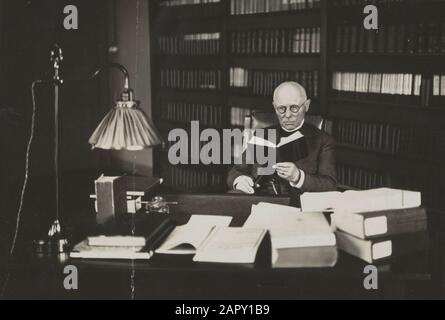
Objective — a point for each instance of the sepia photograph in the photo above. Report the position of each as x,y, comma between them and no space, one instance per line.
225,157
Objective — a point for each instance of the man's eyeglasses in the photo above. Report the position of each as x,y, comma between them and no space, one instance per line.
294,108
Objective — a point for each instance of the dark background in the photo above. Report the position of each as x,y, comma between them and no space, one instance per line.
28,31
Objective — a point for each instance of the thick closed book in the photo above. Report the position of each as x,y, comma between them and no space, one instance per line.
111,198
299,240
113,248
367,225
231,245
381,249
290,228
310,257
361,201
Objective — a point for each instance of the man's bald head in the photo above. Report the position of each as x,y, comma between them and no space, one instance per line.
289,91
291,105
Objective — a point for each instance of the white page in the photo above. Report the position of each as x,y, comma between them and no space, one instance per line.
231,245
320,201
285,140
292,229
187,238
274,208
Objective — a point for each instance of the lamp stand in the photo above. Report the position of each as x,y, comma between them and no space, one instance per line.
55,234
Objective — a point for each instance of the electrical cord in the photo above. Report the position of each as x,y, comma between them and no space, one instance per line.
25,181
27,158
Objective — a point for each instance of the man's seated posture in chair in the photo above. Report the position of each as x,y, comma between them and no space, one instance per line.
315,171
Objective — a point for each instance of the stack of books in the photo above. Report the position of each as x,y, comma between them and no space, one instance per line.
376,225
299,239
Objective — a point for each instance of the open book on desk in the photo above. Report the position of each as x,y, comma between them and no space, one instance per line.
231,245
188,238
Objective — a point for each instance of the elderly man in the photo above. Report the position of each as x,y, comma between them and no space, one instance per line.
311,171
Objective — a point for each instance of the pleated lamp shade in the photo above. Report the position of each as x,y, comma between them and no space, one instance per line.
125,127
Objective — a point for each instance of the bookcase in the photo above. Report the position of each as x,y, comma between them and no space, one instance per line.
217,61
382,92
386,95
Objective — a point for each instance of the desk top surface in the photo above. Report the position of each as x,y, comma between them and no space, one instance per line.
427,267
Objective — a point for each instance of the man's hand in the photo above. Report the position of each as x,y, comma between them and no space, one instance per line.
244,184
288,171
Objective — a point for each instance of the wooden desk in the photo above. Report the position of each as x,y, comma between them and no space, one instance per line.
417,276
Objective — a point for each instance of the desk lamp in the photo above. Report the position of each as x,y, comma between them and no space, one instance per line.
125,127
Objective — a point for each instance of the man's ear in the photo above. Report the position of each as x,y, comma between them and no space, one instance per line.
307,105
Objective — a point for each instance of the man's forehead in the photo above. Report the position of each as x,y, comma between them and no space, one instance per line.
289,97
289,93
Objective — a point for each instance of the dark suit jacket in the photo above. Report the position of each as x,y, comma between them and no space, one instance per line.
319,165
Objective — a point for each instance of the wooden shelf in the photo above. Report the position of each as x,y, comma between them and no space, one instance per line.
398,157
382,112
400,12
191,96
281,19
381,163
300,63
249,101
243,100
398,63
191,11
186,124
178,61
197,25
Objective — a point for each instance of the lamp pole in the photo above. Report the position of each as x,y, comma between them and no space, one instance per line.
56,230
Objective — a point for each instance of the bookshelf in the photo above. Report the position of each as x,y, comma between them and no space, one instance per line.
386,95
385,89
252,45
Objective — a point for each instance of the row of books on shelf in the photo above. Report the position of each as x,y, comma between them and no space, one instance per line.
238,116
276,41
379,2
370,136
359,178
419,89
390,139
264,82
190,44
190,78
428,38
207,115
189,179
239,7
